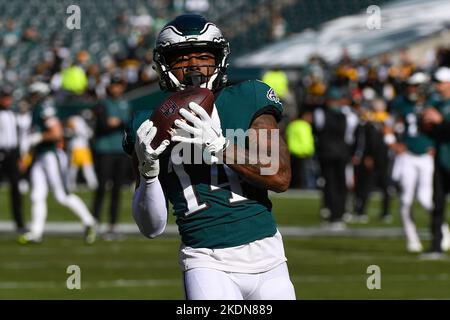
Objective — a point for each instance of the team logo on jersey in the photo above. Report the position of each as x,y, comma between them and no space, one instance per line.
169,108
272,96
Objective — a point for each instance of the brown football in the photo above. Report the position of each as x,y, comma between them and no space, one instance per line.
165,115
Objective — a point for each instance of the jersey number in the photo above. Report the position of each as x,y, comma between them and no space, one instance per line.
190,194
411,119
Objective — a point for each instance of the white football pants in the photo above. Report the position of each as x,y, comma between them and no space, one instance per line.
88,174
45,173
212,284
415,175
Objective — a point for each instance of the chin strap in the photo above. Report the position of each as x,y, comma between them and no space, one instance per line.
195,79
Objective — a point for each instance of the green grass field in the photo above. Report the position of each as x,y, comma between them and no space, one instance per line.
137,268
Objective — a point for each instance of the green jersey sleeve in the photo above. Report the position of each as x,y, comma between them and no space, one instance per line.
266,101
240,104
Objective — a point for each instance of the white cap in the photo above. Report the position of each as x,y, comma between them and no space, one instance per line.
418,78
442,74
39,87
369,94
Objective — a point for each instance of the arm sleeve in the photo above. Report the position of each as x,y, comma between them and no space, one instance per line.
149,208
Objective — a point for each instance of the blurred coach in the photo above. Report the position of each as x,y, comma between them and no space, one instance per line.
111,162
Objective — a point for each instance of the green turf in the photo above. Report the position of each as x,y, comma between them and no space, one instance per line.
302,211
137,268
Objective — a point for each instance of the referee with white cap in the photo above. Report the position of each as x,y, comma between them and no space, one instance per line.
9,153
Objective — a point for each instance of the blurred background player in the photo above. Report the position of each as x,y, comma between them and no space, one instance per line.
111,163
46,171
439,228
9,154
80,154
414,164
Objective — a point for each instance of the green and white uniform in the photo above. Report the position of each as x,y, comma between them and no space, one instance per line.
42,114
46,172
413,168
415,141
222,219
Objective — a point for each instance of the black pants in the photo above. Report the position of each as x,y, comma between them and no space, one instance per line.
110,168
441,185
9,168
302,173
297,173
383,181
335,189
365,181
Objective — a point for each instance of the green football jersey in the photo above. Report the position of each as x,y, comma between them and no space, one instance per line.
414,140
41,113
214,206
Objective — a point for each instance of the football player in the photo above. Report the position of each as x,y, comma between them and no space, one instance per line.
46,168
231,248
80,152
414,163
440,113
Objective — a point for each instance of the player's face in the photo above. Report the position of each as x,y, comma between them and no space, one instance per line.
444,88
6,101
203,62
116,89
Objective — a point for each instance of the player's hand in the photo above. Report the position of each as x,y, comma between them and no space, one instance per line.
431,116
21,165
369,162
147,156
113,122
398,148
203,132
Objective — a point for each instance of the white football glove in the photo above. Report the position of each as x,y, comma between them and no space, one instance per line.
203,131
148,158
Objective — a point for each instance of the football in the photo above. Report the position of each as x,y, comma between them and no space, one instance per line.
165,115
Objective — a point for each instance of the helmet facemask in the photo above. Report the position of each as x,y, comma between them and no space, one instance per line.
174,43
